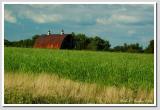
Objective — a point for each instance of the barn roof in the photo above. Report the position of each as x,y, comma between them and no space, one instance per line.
50,41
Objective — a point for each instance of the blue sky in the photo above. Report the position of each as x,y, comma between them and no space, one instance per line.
118,23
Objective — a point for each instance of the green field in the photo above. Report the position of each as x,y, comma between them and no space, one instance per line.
106,77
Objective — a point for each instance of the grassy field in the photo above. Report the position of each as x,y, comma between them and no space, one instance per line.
66,76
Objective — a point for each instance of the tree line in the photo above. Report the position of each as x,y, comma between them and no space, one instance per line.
83,42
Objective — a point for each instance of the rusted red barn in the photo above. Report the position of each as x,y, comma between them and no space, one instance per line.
57,41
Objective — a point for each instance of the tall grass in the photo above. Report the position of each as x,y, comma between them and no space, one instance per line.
134,72
113,69
49,88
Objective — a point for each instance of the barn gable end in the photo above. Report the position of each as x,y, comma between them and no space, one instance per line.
57,41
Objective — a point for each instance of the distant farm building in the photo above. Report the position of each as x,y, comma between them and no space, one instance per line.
57,41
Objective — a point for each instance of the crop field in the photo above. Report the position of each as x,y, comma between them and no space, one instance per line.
35,76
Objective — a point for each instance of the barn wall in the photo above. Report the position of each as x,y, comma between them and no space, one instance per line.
57,42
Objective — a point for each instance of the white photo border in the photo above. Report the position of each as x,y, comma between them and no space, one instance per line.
83,105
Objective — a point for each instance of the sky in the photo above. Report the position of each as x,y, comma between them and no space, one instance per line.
118,23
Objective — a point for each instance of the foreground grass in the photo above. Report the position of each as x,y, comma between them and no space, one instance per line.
105,68
65,76
46,88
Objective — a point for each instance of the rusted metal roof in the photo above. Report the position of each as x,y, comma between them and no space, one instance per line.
50,41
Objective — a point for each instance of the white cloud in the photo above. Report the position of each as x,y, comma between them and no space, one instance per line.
45,6
40,17
131,32
103,21
116,18
125,18
8,16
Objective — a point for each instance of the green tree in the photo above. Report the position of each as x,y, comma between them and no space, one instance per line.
97,43
81,41
150,48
